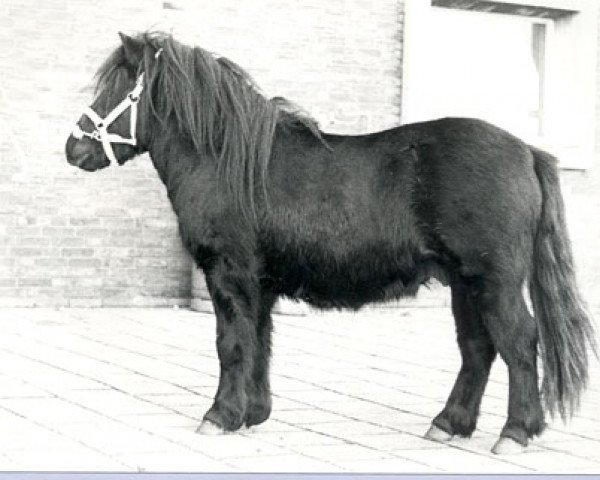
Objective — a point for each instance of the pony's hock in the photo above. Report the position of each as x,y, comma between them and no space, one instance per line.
270,206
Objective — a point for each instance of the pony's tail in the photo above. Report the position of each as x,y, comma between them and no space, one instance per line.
564,325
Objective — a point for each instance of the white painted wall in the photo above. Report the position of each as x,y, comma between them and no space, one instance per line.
476,64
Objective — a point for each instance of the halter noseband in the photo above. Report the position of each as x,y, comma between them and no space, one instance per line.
101,133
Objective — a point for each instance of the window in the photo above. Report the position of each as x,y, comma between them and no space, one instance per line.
507,63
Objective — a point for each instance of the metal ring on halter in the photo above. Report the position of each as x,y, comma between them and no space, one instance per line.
101,134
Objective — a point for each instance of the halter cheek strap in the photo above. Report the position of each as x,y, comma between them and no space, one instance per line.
101,133
101,125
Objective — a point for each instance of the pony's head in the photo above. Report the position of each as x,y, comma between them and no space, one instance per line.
111,130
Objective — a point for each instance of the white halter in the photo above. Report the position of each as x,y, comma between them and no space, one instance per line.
101,133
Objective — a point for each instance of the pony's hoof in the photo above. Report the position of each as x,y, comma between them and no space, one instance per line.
209,428
437,434
507,446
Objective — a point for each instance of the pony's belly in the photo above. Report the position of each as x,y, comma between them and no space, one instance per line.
355,285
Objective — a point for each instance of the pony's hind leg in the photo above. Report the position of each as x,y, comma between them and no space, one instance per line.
234,295
459,416
258,388
514,334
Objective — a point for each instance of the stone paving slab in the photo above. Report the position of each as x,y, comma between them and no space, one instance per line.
124,390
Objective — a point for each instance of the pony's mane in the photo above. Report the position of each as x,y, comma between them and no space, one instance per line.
217,106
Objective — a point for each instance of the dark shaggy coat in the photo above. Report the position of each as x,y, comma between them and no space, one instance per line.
268,205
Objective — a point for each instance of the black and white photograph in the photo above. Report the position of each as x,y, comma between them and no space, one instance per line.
300,236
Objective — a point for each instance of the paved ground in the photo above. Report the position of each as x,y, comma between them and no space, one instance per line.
123,390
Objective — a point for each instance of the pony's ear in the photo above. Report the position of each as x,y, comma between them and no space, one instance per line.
134,50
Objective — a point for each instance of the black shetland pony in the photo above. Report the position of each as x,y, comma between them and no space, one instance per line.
270,206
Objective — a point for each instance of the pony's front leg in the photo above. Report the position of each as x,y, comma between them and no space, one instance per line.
258,389
234,292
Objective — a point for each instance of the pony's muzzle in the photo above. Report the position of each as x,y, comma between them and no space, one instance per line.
79,155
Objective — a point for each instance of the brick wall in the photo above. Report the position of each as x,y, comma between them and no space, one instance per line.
70,238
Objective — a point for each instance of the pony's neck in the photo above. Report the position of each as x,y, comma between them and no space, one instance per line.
174,161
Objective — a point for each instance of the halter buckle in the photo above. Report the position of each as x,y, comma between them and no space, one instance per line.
100,133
